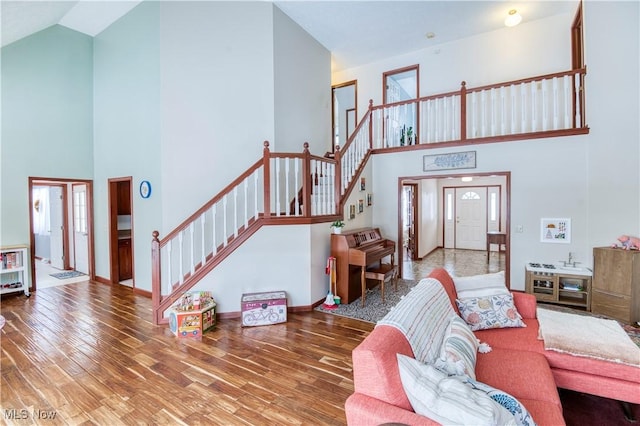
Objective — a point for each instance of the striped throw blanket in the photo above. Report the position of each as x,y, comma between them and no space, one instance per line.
422,316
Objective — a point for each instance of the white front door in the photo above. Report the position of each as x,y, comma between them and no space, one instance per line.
471,218
80,239
56,227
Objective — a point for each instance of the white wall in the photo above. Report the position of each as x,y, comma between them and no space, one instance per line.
592,179
127,131
428,216
46,119
535,48
302,89
217,94
612,55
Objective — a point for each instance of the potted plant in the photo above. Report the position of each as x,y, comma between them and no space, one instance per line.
337,226
410,135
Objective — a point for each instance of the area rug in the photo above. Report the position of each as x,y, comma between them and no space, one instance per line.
575,334
374,309
66,275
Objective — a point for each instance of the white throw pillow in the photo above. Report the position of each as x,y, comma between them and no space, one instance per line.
447,399
459,349
481,285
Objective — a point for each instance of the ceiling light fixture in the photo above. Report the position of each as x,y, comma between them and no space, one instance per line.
513,18
467,179
430,35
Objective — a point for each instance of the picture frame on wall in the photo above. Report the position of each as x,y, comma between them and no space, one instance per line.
360,206
450,161
363,184
369,199
555,230
352,211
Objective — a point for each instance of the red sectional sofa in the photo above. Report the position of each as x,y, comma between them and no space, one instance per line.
518,364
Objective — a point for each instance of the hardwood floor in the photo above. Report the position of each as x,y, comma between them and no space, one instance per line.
88,354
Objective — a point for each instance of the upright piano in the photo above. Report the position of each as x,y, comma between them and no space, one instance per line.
354,252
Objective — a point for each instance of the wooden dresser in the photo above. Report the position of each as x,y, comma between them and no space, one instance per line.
616,283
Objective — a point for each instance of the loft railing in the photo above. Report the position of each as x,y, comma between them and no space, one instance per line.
543,106
262,194
284,188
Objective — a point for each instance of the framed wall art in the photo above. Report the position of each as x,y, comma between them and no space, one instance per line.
454,160
555,230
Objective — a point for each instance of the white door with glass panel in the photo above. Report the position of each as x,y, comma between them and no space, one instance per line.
80,236
471,218
56,227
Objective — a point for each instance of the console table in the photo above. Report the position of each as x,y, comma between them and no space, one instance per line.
495,237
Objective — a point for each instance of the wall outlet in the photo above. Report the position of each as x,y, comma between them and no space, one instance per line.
519,229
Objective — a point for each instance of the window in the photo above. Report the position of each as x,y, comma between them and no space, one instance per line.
80,211
470,195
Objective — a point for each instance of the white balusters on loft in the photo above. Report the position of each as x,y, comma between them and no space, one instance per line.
323,177
540,104
286,183
354,153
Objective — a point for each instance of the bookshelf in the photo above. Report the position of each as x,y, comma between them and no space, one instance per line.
14,273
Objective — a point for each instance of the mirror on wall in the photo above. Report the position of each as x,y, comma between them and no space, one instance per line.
344,112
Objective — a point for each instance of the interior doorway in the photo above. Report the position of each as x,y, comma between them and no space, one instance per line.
55,250
410,212
344,112
121,231
480,200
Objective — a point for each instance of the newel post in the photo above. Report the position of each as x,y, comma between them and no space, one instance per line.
266,166
307,182
370,112
337,188
156,279
463,111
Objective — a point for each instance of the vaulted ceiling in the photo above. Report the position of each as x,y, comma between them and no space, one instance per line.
355,32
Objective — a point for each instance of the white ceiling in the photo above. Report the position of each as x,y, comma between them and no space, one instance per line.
356,32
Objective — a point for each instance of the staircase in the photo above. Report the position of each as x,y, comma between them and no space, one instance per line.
290,188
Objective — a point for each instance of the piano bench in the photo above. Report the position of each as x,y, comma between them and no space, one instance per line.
381,273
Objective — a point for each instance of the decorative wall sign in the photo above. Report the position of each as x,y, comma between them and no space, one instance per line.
554,230
454,160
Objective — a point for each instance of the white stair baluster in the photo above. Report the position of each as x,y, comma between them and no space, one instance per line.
214,245
246,202
513,105
523,112
255,194
180,258
169,280
235,211
503,110
277,179
567,101
193,248
534,109
545,106
576,90
474,115
203,255
224,220
287,178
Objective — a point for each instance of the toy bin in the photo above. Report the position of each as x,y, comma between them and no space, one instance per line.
193,323
264,308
